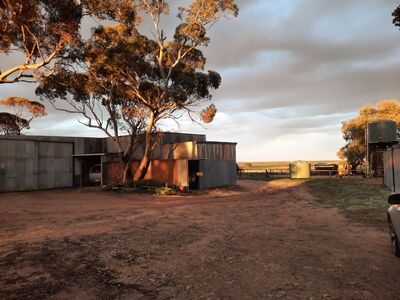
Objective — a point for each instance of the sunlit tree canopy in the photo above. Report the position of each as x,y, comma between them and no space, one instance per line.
354,129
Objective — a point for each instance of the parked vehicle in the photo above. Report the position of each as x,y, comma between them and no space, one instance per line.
95,173
393,215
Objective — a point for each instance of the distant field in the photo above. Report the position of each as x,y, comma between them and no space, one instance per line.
262,166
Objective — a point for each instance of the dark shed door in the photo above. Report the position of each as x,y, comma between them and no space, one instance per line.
194,168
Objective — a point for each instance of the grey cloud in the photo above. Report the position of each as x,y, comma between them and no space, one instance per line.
292,72
339,91
238,42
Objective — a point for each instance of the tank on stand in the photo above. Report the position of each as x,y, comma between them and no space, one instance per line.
380,135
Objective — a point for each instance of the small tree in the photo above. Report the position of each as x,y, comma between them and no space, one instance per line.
354,129
128,82
23,112
10,124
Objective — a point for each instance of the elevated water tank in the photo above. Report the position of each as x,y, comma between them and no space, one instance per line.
382,131
300,169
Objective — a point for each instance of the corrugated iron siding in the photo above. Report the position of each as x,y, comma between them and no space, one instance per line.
388,169
216,151
173,138
165,138
33,165
217,173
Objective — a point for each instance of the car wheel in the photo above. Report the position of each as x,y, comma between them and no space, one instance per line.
394,240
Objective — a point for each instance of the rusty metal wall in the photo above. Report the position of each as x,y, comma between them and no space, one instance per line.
172,172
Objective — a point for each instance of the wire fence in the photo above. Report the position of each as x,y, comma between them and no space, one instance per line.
281,173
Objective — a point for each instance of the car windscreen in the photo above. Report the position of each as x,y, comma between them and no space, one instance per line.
95,169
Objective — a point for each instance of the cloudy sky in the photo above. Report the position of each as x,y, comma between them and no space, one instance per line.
292,71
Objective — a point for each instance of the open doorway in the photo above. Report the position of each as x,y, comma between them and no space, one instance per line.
90,165
90,172
194,169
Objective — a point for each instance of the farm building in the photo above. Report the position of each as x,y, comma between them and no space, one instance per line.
48,162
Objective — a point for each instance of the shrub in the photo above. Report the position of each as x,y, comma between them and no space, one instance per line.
165,191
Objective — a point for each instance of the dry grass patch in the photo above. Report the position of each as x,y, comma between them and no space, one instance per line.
359,199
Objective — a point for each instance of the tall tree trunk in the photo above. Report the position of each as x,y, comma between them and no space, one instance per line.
145,162
127,176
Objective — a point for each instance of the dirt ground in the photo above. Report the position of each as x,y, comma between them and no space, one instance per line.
257,240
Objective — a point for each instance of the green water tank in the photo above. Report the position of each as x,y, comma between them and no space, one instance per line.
382,131
300,169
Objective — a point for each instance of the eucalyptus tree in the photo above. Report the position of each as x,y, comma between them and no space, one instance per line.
125,81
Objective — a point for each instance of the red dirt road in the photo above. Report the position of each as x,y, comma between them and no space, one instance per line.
257,241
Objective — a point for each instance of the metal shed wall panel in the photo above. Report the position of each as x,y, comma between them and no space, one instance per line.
217,173
32,165
388,170
18,162
396,163
175,137
216,151
55,165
